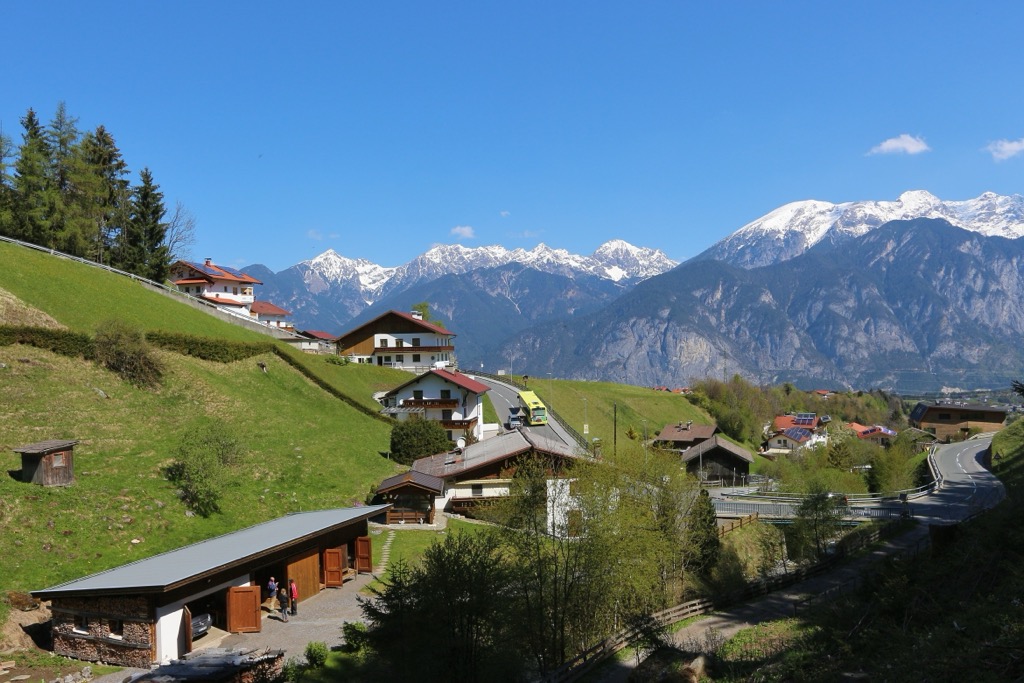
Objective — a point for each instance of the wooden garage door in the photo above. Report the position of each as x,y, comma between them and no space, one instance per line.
333,566
244,609
305,569
364,554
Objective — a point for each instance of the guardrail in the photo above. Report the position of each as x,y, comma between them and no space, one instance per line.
173,291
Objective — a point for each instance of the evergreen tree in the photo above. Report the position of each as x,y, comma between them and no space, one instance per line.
98,176
61,136
6,185
145,251
31,185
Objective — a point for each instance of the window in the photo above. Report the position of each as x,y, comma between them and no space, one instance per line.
449,433
400,358
58,460
225,288
478,490
115,627
446,393
415,358
415,341
234,290
446,415
81,624
945,416
399,342
417,394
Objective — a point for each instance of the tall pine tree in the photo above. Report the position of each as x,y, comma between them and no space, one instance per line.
61,136
98,177
6,185
31,185
145,248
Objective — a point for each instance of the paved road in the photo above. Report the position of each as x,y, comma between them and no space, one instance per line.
504,396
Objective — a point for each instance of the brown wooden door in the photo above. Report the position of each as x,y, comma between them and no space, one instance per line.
244,609
333,567
187,645
364,554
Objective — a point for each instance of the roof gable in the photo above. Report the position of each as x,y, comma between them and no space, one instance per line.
405,319
457,378
451,465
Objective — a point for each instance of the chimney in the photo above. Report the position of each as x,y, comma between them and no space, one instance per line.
688,423
416,314
208,261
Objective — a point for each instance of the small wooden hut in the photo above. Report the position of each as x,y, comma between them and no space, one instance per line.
48,463
412,497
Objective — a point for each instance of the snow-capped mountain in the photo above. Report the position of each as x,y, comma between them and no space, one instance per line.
327,291
794,228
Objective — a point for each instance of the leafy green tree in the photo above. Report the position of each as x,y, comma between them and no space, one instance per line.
416,438
893,469
423,308
818,520
702,543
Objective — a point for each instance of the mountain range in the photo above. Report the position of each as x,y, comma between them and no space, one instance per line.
913,295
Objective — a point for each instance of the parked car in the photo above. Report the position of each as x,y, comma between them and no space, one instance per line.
201,623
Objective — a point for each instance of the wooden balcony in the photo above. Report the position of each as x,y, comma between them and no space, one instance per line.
430,403
413,349
458,424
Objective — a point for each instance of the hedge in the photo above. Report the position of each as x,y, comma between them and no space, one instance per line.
62,342
206,348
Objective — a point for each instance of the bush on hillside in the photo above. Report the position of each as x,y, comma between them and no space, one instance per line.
416,438
205,455
122,348
217,350
62,342
316,654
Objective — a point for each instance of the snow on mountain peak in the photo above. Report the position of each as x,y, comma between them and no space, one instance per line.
794,228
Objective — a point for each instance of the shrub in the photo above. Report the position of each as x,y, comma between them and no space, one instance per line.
336,360
292,670
355,636
122,348
205,454
415,438
316,654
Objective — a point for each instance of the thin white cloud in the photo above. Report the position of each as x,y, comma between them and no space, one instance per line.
903,144
465,232
1001,150
315,235
506,214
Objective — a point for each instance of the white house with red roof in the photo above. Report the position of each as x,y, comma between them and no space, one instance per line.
399,340
451,398
882,436
220,285
271,315
790,433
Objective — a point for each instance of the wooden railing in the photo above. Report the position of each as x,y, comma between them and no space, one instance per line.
737,524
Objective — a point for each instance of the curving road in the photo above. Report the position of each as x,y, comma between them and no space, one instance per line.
966,487
504,396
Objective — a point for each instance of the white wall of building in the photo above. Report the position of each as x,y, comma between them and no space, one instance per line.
169,634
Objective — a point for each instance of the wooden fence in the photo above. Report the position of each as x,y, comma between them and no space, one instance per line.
737,524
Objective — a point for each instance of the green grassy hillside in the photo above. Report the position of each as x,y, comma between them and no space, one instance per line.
306,448
635,405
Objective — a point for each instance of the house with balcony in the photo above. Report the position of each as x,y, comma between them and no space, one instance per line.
453,399
793,432
222,286
481,473
399,340
948,420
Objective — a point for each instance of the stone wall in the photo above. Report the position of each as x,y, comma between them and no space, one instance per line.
86,628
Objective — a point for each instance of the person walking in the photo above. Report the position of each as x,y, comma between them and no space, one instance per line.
282,599
293,596
271,593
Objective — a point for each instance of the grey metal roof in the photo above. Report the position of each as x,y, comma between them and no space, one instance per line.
717,442
422,479
154,574
447,465
44,447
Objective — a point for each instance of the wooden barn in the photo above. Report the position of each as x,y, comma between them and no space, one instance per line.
141,613
718,458
48,463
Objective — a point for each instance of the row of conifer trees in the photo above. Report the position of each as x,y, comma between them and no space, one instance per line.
69,190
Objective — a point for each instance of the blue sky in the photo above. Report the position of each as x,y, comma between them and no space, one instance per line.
381,128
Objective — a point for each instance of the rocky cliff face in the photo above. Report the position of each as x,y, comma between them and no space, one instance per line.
910,306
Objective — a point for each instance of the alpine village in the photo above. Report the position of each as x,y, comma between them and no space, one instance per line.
213,473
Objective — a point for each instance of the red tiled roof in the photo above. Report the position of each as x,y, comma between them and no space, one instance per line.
223,302
267,308
455,378
784,422
211,271
320,334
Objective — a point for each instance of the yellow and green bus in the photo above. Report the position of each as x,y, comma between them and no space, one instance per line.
534,410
